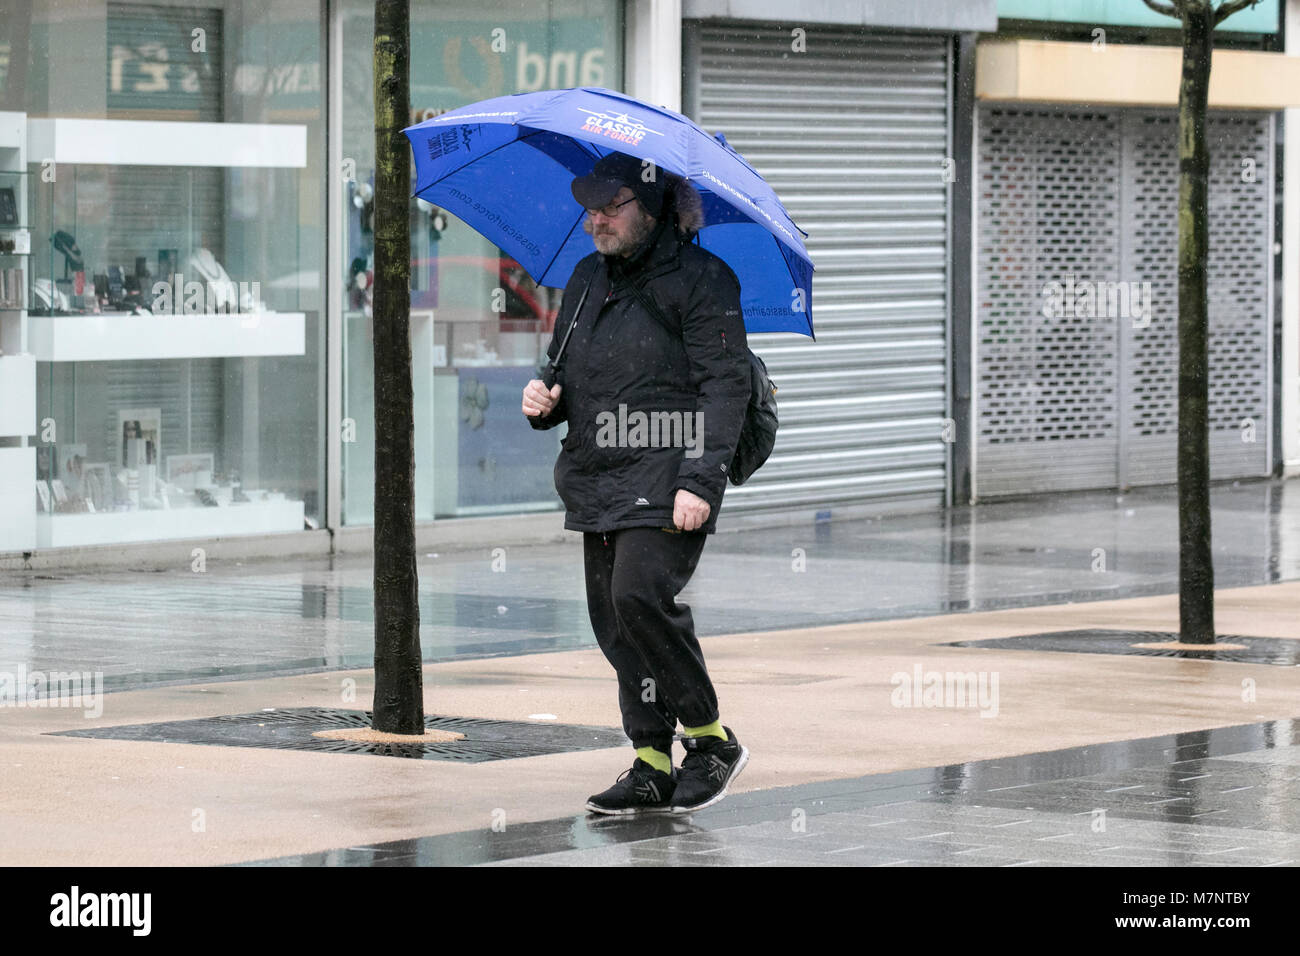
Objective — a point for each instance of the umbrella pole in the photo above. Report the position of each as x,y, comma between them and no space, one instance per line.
553,366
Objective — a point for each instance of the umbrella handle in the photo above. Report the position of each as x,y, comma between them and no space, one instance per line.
553,366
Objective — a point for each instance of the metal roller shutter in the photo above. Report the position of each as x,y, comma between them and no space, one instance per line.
158,77
153,70
1240,291
852,134
1049,201
1071,401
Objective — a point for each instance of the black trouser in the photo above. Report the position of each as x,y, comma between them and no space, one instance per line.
633,578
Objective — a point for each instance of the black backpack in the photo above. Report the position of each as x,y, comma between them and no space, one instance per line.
758,433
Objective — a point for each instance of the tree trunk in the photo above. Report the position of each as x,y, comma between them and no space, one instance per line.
399,692
1196,560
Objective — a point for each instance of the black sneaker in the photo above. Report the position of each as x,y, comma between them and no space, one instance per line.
710,766
642,789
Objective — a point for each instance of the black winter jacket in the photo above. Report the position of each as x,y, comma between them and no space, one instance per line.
634,392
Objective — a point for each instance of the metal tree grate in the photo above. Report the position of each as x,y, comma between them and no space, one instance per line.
1273,651
292,729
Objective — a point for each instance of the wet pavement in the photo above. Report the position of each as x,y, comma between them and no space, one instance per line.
1098,756
1224,797
152,628
845,767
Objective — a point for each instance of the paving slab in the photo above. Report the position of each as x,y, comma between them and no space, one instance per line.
831,725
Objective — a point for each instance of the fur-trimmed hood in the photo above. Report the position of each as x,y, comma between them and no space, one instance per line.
683,199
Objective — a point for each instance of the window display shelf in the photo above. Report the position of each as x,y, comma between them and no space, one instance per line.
103,142
110,337
77,530
17,395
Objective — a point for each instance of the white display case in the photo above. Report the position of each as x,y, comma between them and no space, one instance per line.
17,395
17,499
79,530
128,189
17,364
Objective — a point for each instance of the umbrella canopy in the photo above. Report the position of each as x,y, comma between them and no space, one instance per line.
504,166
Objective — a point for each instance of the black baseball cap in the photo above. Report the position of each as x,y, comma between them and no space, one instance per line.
611,173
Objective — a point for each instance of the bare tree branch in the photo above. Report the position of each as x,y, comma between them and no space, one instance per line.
1231,7
1168,9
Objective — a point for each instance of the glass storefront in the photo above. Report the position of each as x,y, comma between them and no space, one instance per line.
479,324
163,266
173,290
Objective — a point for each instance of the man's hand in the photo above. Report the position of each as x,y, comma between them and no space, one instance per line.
537,400
690,511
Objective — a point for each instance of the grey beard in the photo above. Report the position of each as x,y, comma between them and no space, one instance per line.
640,231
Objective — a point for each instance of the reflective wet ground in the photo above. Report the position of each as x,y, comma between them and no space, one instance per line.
145,628
1224,797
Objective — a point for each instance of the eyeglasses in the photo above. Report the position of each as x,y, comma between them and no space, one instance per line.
611,211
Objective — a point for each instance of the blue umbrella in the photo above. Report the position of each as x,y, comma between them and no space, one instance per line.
504,166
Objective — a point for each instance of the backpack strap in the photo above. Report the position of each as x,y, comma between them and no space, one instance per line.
648,303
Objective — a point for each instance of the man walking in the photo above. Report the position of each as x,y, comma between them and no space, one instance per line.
654,384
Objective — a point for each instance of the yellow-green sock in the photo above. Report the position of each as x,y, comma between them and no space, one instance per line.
656,758
708,730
